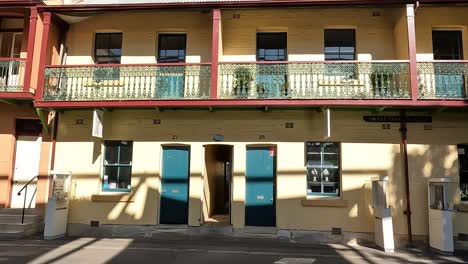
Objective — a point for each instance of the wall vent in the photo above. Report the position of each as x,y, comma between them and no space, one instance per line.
336,231
94,223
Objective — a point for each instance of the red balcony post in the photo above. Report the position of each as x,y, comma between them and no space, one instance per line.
215,52
43,55
30,48
412,51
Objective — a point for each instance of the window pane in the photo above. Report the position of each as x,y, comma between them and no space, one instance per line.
447,45
115,41
315,188
108,48
110,178
111,153
126,152
332,160
323,168
340,44
124,177
271,46
314,174
171,47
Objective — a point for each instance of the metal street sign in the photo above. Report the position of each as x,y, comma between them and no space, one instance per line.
397,119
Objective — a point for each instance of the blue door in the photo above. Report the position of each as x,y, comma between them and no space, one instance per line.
175,182
260,187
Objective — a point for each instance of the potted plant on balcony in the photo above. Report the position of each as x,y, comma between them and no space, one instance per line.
243,78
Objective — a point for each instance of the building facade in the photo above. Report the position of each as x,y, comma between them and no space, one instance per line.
253,114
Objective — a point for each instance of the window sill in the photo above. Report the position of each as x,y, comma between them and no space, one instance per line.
124,198
324,202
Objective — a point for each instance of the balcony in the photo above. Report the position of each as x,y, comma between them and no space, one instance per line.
315,80
443,80
127,82
12,72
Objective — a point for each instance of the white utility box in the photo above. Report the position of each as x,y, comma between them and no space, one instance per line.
441,193
56,217
383,224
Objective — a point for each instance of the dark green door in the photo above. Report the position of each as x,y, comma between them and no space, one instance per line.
175,183
260,187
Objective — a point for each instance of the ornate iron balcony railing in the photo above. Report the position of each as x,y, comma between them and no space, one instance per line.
127,82
443,79
12,74
310,80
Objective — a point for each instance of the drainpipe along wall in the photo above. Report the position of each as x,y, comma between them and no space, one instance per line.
404,148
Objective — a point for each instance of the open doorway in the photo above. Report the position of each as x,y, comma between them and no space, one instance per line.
217,185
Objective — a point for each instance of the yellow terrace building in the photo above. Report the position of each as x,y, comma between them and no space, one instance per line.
235,115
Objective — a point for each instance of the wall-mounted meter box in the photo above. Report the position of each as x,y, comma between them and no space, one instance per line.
56,217
383,224
441,192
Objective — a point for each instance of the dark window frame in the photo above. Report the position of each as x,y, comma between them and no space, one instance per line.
96,56
160,59
335,185
285,40
117,165
339,53
457,34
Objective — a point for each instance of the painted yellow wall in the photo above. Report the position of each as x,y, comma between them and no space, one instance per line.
140,31
429,18
305,28
367,151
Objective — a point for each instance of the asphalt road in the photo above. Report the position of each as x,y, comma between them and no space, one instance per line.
174,249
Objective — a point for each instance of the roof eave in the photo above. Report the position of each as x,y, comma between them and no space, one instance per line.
227,4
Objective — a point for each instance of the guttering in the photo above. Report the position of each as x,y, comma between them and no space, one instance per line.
217,4
11,3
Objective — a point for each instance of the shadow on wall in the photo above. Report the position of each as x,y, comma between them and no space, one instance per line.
424,162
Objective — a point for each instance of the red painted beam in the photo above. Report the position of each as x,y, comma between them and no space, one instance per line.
30,48
252,103
412,52
215,52
16,95
43,55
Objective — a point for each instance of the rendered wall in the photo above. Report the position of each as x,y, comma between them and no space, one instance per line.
140,31
367,151
429,18
305,28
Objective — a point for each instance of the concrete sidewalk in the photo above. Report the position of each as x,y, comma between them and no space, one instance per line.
205,249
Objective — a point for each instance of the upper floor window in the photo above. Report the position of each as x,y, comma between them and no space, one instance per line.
117,166
323,168
463,170
447,44
340,44
172,47
108,48
272,46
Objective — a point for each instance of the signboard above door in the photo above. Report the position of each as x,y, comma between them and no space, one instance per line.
398,119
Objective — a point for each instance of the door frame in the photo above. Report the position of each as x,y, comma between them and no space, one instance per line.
231,181
161,160
275,176
10,180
